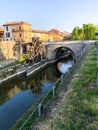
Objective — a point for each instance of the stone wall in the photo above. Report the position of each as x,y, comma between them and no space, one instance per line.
6,49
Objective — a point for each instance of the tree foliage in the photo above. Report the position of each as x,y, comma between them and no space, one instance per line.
86,32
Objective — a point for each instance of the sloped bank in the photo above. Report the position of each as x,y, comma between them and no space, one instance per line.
78,108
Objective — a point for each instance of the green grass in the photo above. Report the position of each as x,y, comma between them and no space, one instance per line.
80,109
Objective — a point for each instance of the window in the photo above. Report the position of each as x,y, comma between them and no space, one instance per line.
7,28
20,34
19,27
7,34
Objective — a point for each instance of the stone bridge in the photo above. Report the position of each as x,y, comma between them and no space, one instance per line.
73,48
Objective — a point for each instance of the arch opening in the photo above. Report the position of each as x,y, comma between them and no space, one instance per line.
64,52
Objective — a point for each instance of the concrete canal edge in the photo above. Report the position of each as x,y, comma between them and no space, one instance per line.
26,71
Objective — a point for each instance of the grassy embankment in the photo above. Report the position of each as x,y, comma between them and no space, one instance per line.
79,109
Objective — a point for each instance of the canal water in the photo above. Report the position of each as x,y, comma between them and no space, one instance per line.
19,94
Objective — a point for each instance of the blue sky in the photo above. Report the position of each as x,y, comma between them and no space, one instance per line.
63,15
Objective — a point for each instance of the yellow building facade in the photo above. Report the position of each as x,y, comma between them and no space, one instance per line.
18,31
22,32
47,36
42,35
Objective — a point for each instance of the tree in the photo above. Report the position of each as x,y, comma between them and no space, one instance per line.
81,34
87,32
75,35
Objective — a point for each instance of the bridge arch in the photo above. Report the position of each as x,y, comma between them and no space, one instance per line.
67,52
75,49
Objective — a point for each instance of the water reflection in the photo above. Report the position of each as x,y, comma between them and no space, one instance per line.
64,66
35,83
19,94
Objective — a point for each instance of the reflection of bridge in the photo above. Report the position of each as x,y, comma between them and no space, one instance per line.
73,48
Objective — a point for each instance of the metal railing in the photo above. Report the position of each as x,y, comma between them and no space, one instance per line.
39,109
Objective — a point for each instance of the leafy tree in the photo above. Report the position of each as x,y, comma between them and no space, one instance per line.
85,28
81,34
86,32
96,30
89,31
75,35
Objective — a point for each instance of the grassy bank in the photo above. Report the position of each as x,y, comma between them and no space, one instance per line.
78,109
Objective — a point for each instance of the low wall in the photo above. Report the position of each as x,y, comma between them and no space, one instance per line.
6,49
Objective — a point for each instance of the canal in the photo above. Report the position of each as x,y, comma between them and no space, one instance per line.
19,94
